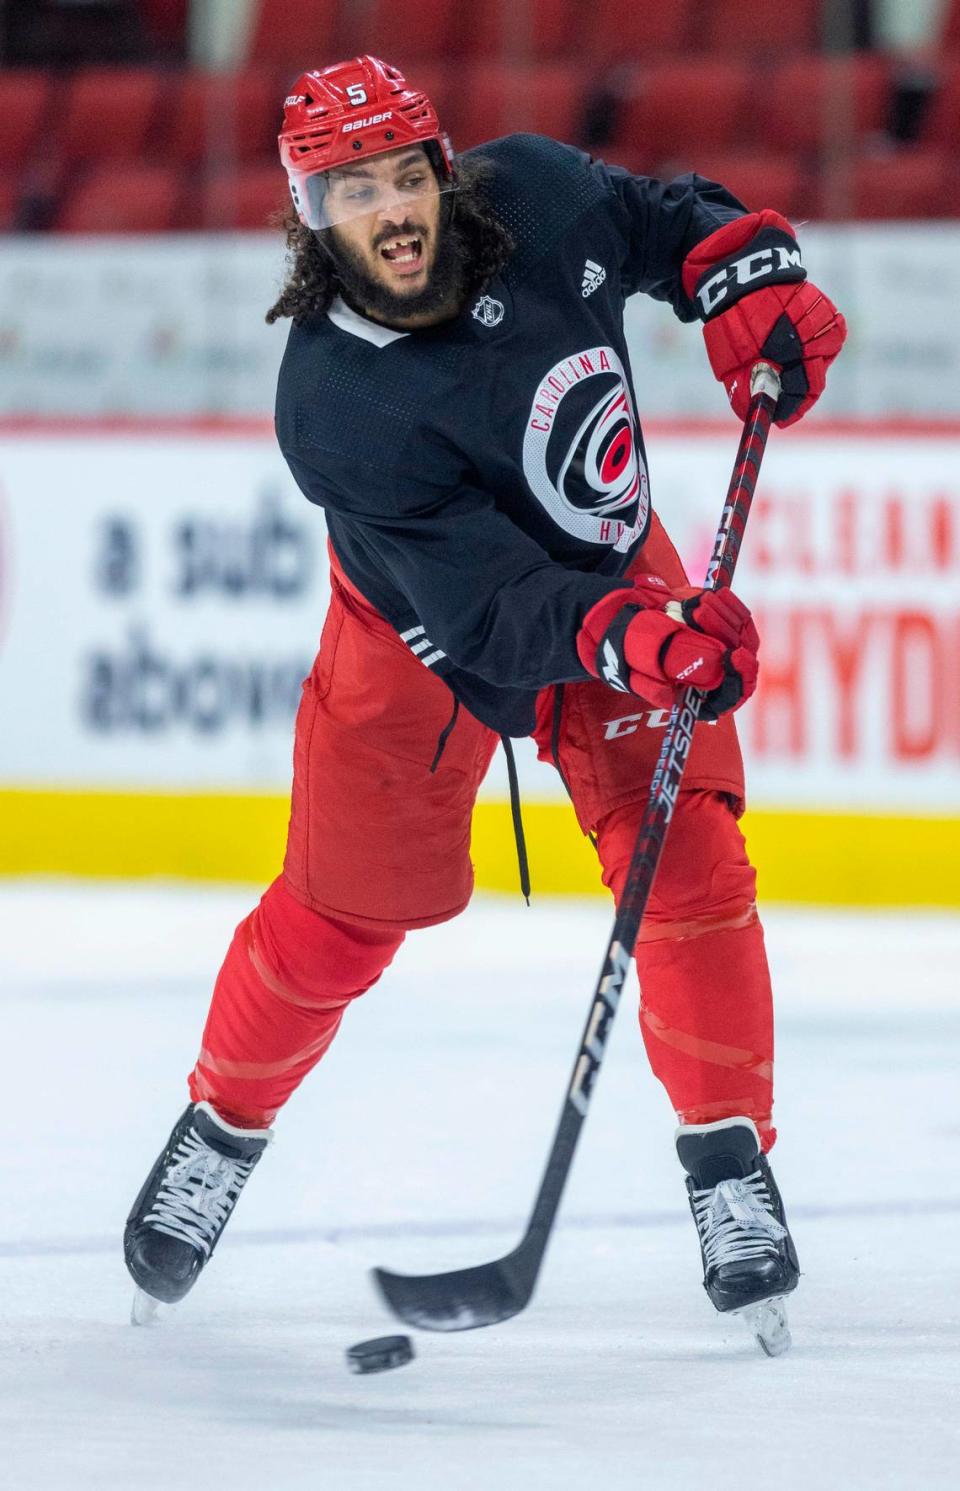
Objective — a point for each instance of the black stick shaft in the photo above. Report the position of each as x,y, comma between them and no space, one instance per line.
664,789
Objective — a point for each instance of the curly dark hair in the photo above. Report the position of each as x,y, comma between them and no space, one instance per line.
312,281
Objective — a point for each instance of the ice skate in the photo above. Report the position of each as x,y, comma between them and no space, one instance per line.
749,1260
184,1205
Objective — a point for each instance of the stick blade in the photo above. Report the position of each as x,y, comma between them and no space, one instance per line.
461,1300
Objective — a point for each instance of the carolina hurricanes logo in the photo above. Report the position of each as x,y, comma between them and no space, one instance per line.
580,455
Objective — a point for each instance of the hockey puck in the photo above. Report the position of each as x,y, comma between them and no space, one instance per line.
380,1354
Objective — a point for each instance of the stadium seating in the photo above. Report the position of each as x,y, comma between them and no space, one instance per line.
228,115
665,113
916,181
294,34
430,30
738,93
167,21
545,99
246,198
761,29
9,200
950,38
759,178
24,97
808,96
115,198
629,31
550,28
943,121
109,113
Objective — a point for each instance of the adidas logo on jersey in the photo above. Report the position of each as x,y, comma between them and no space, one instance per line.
593,277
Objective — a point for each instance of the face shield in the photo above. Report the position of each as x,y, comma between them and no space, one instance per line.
374,186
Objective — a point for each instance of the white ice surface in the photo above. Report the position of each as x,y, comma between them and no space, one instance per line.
418,1144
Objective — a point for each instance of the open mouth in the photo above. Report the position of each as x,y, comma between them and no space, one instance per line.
403,254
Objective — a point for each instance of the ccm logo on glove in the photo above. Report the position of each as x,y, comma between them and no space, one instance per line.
653,642
779,264
752,292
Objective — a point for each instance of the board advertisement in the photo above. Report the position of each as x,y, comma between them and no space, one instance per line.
162,594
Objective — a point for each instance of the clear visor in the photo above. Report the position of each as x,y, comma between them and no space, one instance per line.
330,197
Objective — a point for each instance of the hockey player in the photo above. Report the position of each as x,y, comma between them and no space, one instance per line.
456,395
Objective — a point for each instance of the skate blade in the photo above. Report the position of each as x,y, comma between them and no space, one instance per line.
144,1309
768,1324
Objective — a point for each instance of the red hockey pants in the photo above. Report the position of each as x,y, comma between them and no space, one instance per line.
385,777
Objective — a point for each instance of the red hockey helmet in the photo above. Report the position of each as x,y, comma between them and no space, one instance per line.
343,115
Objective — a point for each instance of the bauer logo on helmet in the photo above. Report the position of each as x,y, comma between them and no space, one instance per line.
363,123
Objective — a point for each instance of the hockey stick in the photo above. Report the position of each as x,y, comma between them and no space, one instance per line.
490,1292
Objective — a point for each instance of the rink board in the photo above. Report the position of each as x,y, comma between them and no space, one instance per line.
812,858
163,586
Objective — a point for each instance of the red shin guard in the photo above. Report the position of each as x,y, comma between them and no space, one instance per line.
288,976
706,1005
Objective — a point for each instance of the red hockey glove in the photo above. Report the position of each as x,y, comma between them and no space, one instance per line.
752,292
654,642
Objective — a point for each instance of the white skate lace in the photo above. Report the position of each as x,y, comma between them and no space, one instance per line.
197,1193
735,1220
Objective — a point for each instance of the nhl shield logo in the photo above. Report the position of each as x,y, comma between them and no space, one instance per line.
487,311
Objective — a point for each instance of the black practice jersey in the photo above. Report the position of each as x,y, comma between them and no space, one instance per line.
484,481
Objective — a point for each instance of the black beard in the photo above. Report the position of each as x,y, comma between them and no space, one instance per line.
446,287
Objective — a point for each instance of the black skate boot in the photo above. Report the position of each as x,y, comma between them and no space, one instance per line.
185,1203
749,1260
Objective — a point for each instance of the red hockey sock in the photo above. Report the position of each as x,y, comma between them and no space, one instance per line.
706,1004
278,1001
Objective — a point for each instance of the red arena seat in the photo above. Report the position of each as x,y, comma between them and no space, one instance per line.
110,112
768,28
943,121
9,200
167,20
950,36
913,182
498,100
431,29
23,96
442,28
631,31
552,28
676,109
759,179
116,198
246,198
295,34
224,115
808,96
